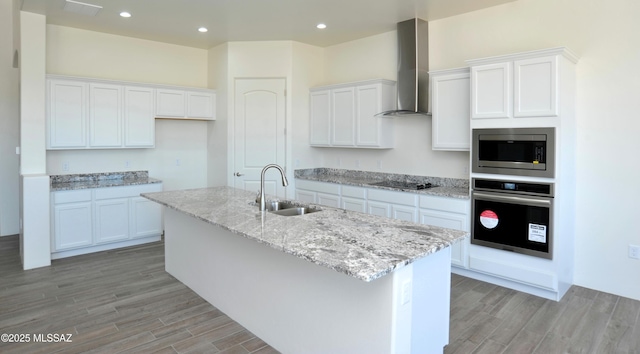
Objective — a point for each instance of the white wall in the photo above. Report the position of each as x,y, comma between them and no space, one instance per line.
217,137
376,57
9,125
78,52
604,35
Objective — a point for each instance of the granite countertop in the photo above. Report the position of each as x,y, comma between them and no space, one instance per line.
444,187
100,180
363,246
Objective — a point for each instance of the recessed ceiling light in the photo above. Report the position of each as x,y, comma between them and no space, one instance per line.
321,26
125,14
203,29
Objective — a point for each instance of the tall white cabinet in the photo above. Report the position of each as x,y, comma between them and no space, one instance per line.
450,91
345,115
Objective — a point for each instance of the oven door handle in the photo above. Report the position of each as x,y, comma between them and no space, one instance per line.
533,201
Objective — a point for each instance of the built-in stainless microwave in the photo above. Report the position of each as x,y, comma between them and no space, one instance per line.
514,151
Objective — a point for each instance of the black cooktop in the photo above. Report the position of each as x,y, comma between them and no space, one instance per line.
402,185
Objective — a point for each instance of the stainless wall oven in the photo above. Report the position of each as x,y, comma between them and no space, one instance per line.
514,151
513,216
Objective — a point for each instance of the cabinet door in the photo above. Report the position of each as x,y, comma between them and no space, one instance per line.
105,115
67,114
170,103
367,124
451,113
353,204
405,213
320,118
328,200
201,105
535,87
72,226
112,220
343,116
378,208
146,218
305,196
491,89
139,117
450,221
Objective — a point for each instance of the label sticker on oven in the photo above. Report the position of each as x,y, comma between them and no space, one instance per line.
538,233
489,219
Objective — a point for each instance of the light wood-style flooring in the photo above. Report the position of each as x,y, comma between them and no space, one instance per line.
124,301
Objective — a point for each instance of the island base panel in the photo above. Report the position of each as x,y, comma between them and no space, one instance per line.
300,307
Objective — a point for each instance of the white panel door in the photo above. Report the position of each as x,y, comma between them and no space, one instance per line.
112,220
343,115
535,84
139,117
67,114
105,117
201,105
353,204
145,217
329,200
405,213
379,208
450,111
259,133
367,106
305,196
491,89
72,225
170,103
320,118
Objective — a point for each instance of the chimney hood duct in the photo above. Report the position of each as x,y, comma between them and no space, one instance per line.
413,68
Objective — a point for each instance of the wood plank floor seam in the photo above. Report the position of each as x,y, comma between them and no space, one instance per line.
124,301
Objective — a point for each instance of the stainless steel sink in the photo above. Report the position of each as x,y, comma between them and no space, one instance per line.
287,208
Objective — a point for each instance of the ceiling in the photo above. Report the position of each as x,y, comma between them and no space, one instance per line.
177,21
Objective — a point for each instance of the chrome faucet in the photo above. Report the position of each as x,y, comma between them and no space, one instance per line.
263,203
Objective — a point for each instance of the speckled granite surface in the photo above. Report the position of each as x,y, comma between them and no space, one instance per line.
100,180
445,187
363,246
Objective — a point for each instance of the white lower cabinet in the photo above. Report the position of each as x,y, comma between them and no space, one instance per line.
449,213
73,224
112,220
446,212
92,220
145,216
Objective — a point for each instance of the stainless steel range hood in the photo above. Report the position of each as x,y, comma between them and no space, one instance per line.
413,67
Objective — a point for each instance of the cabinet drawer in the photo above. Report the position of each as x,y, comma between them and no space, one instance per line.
128,191
452,205
392,197
327,188
353,192
71,196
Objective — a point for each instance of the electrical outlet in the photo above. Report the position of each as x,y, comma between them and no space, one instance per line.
634,251
127,164
358,163
379,164
65,166
406,292
178,162
297,163
338,162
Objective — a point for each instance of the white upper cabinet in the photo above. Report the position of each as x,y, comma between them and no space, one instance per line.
491,91
450,90
105,115
67,114
535,83
320,124
139,117
185,104
524,85
345,115
171,103
98,115
201,104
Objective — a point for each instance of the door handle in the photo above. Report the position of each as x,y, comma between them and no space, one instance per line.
238,174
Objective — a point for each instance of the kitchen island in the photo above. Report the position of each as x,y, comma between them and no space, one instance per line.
332,281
